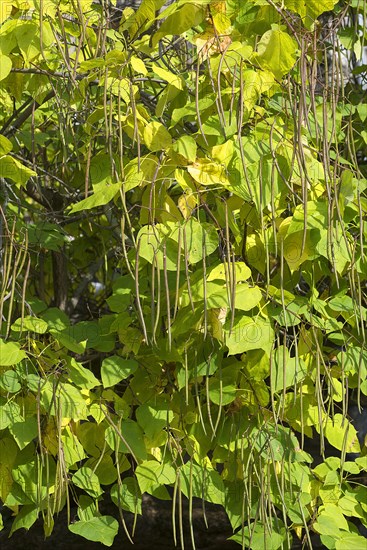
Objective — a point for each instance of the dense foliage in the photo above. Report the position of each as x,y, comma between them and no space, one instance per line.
183,292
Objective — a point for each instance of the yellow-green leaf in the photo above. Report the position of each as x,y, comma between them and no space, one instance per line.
101,197
341,434
5,145
174,79
247,334
10,353
242,272
5,66
277,51
102,529
156,136
208,173
180,21
13,169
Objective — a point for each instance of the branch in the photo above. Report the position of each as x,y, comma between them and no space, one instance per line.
9,129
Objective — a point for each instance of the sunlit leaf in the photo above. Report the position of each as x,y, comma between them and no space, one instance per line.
101,529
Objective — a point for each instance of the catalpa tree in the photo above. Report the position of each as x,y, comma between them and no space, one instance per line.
183,291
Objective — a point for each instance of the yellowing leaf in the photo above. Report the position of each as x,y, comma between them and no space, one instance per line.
246,297
341,434
186,204
255,83
5,66
309,10
174,79
5,11
138,65
154,247
186,147
277,51
221,271
28,38
292,246
221,23
206,172
156,137
292,250
50,437
248,334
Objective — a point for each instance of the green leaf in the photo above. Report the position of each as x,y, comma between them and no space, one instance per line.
66,340
274,534
205,483
127,495
350,540
151,474
9,381
5,145
99,198
104,468
28,38
9,413
26,517
331,521
10,353
16,171
101,529
67,399
140,172
143,18
46,235
247,297
180,21
198,239
154,246
172,78
131,440
115,368
286,370
362,462
87,480
309,10
25,431
223,388
247,334
34,482
153,418
73,451
186,147
338,254
56,319
92,437
80,376
87,508
156,137
33,324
